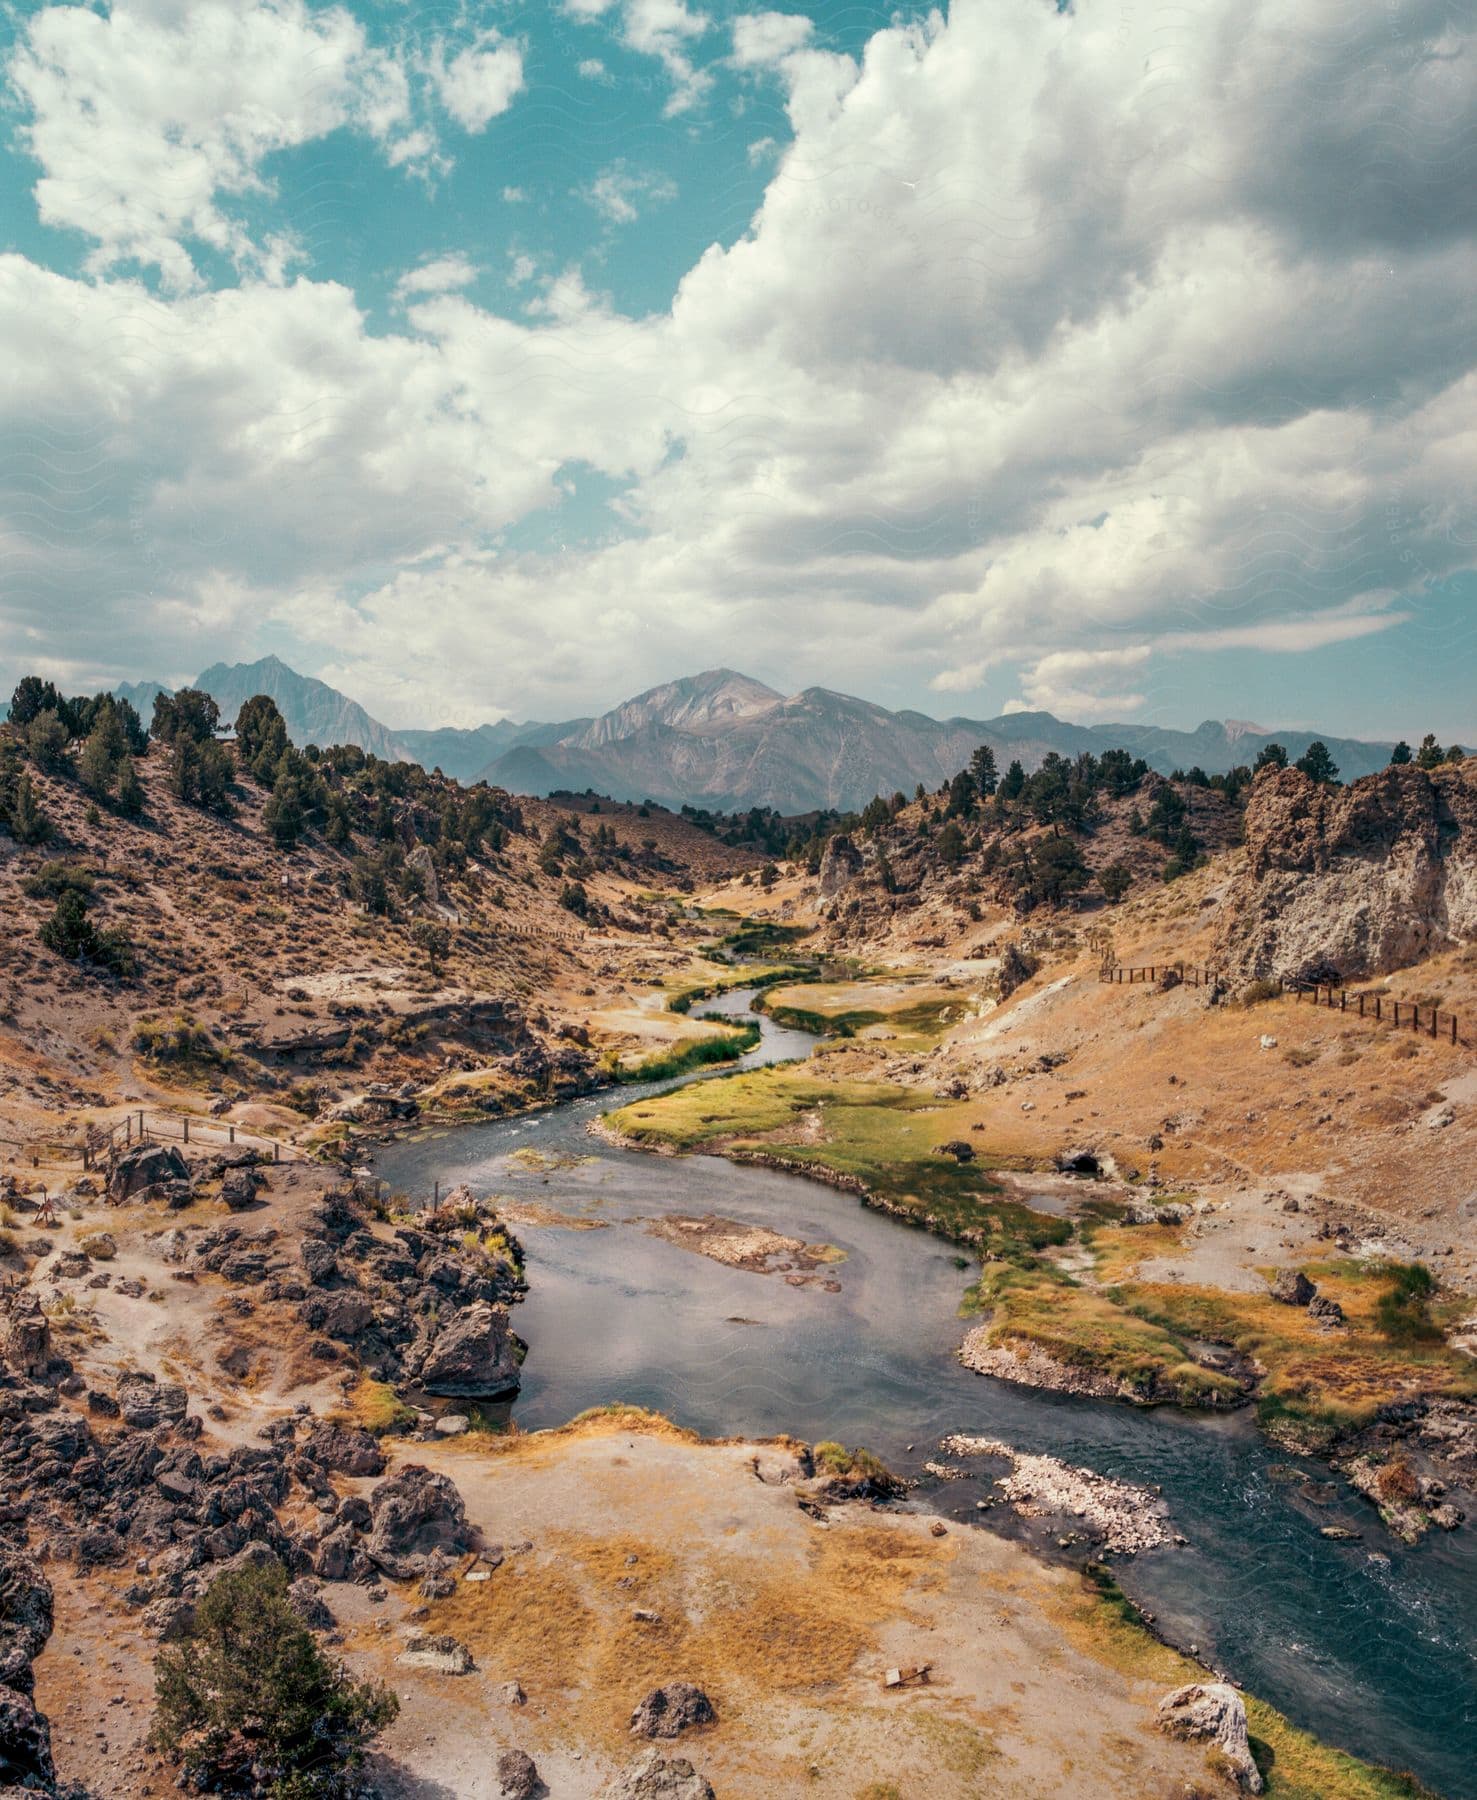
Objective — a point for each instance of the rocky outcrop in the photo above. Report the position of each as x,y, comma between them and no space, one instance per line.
668,1711
474,1355
1212,1712
1292,1287
25,1618
438,1653
145,1166
25,1743
840,866
26,1764
1359,880
415,1514
27,1345
346,1449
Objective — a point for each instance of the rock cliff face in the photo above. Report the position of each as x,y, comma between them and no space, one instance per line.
1364,879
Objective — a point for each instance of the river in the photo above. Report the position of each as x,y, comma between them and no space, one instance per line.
1371,1645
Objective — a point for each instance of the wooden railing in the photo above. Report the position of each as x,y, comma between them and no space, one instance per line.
141,1127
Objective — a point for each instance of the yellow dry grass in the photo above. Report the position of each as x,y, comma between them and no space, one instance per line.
563,1618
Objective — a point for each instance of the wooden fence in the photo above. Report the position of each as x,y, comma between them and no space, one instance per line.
1191,974
1381,1009
1403,1015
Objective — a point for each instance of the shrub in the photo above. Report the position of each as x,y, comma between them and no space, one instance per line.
1256,993
249,1704
180,1041
1404,1309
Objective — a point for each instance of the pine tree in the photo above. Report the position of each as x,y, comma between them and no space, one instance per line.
130,796
29,823
983,768
97,767
1400,755
1317,764
248,1702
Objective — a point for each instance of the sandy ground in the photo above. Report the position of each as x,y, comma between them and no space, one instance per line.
787,1623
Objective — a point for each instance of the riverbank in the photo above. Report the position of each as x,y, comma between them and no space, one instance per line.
1350,1363
648,1556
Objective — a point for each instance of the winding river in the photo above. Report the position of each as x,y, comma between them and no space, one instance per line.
1370,1645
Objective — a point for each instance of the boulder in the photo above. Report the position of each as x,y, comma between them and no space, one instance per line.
474,1355
415,1513
958,1148
319,1262
1329,1311
145,1166
1212,1712
28,1338
333,1560
1292,1287
342,1314
307,1601
656,1777
668,1711
517,1776
138,1400
345,1449
442,1655
238,1189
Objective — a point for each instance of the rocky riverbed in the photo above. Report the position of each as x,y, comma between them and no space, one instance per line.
1121,1518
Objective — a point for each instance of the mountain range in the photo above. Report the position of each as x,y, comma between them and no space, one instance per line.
725,741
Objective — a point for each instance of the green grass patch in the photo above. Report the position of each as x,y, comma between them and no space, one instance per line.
875,1136
813,1007
1403,1311
760,937
1338,1380
1085,1329
697,1053
683,999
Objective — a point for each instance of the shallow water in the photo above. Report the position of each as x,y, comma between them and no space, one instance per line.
1371,1645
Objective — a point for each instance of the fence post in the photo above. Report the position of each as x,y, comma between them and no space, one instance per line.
435,1194
1361,1006
276,1151
1378,1012
1397,1015
232,1130
1435,1020
1453,1028
187,1130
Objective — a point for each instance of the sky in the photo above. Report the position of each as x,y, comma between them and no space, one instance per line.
490,359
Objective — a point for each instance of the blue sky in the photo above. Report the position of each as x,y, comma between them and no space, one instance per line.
498,359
